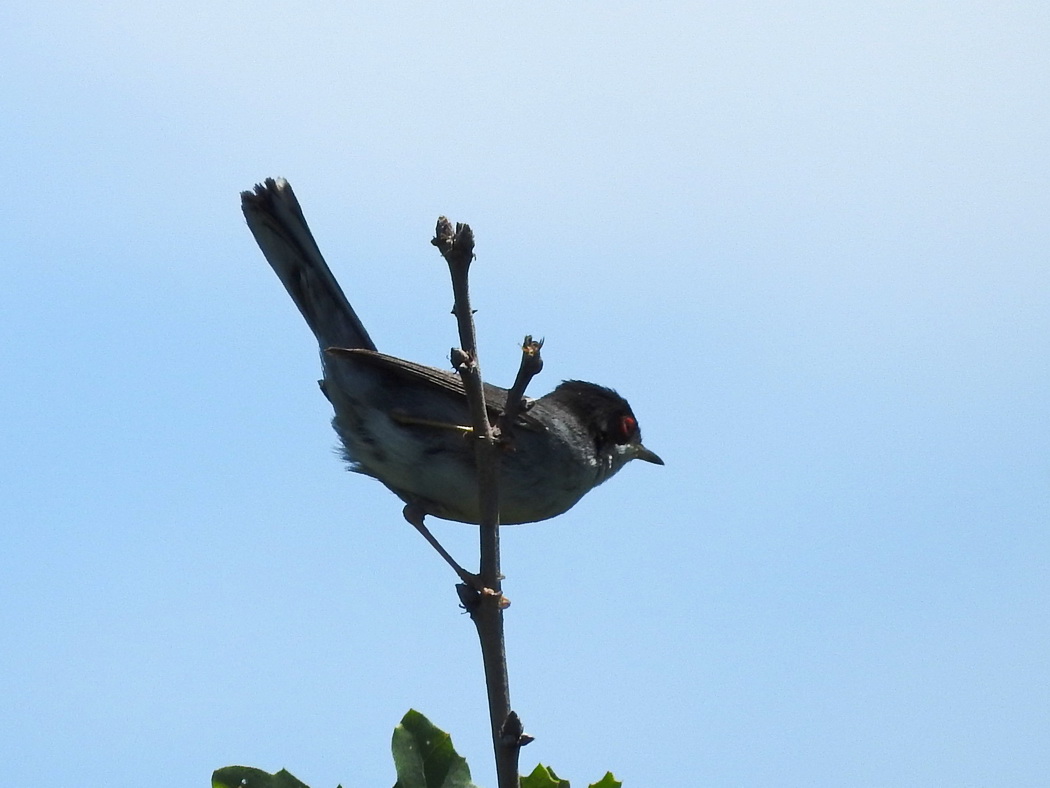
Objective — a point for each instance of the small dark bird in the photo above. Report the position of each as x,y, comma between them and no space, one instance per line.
400,422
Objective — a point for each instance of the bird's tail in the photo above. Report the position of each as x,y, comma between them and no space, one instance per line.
277,222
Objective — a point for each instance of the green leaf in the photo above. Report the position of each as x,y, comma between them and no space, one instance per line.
543,777
247,777
424,756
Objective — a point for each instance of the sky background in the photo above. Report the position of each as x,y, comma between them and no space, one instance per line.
807,240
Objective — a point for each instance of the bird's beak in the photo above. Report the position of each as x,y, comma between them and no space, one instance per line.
642,453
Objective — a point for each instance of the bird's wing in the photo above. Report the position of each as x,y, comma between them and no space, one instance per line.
495,397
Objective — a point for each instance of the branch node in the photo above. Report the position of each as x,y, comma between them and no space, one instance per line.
511,731
456,246
460,359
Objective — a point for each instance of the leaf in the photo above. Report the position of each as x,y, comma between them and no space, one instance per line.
424,756
543,777
248,777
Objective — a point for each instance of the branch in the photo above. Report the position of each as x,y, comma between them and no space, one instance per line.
530,367
485,606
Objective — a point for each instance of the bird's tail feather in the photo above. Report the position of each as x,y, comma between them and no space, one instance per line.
277,222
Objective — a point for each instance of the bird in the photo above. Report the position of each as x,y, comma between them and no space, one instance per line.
402,423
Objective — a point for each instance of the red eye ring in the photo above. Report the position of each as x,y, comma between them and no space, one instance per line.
627,428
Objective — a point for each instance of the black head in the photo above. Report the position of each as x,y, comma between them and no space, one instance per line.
609,421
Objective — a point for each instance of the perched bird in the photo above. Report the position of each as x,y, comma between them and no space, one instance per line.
401,422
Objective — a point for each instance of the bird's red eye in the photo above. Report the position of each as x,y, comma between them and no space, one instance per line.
627,427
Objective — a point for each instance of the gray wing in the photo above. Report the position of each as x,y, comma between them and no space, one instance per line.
495,397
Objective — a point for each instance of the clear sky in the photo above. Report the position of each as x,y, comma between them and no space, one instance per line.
808,241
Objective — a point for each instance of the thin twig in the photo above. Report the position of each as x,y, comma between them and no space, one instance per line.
485,606
530,366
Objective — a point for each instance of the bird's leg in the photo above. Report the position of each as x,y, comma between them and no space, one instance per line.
415,514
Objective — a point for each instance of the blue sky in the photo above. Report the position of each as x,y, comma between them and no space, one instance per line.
808,241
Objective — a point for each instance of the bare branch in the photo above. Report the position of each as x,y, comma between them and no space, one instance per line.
486,604
530,366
